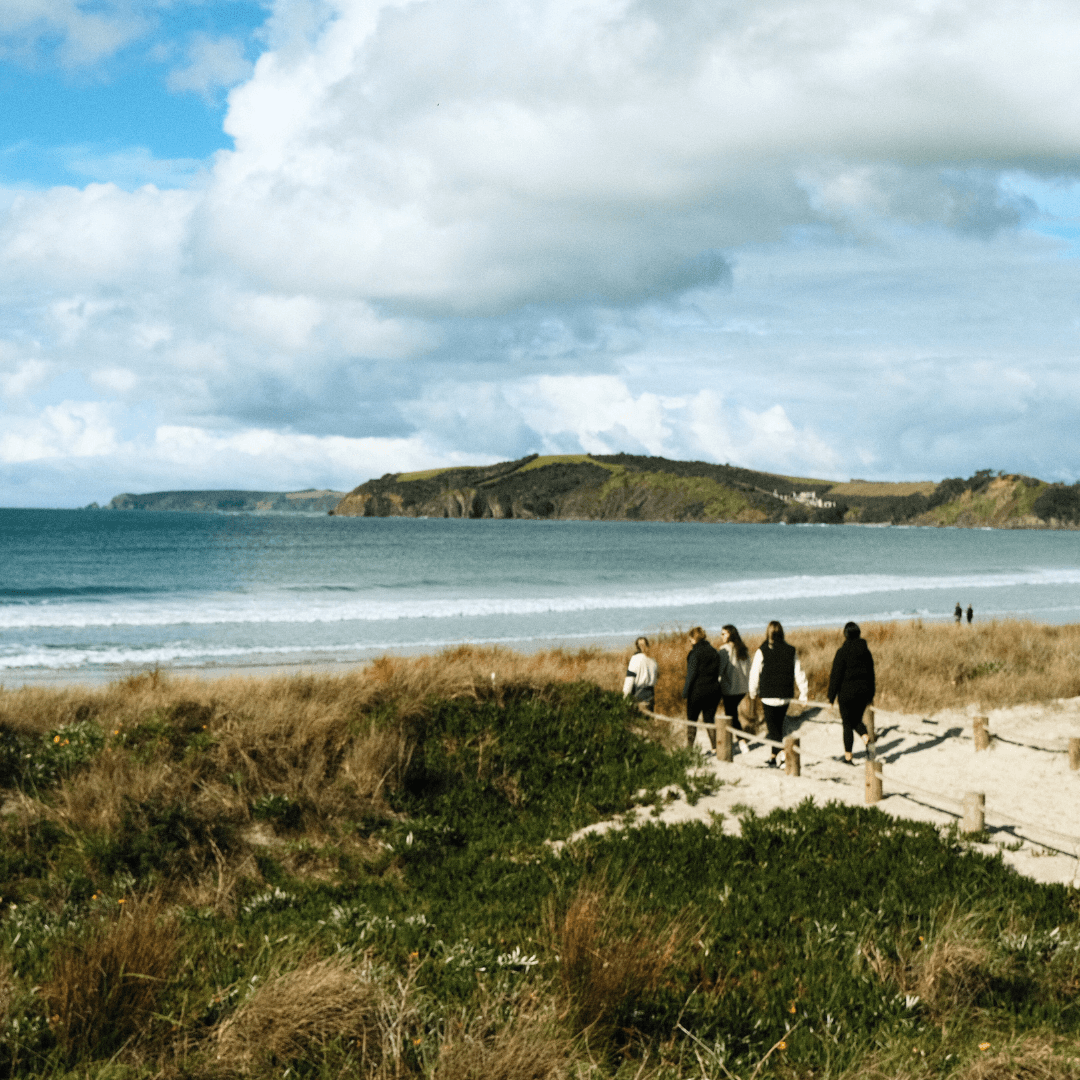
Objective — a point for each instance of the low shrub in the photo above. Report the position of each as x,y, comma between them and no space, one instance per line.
295,1013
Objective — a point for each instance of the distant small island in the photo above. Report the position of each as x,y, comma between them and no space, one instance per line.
309,501
627,487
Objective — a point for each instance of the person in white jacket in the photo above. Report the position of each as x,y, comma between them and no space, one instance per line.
774,674
640,677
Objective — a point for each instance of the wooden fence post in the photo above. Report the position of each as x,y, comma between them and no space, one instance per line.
1074,754
723,742
873,782
792,758
974,812
982,734
871,737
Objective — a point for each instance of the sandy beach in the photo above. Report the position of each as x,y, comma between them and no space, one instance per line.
928,764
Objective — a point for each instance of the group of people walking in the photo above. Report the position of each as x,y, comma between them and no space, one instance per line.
727,675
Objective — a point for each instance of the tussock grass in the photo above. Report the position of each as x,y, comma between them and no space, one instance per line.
106,981
295,1013
1002,1055
506,1037
1023,1059
349,876
945,968
610,954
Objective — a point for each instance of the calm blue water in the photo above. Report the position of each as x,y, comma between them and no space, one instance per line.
84,590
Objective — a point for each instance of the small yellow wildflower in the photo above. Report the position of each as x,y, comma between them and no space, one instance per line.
121,901
782,1045
792,1009
984,1046
56,738
417,1042
414,956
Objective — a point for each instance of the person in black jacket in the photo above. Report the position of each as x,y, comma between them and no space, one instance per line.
852,684
702,686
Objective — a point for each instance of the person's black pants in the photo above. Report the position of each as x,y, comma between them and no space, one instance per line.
851,714
731,709
774,722
705,707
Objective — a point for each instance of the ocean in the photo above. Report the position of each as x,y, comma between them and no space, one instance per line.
107,592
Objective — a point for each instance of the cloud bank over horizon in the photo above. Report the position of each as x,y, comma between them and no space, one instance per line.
818,238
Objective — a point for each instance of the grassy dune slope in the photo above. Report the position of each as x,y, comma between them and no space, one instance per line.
348,876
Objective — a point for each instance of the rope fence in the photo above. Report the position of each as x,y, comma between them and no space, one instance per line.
973,804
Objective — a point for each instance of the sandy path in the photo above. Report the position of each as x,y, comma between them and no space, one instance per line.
936,754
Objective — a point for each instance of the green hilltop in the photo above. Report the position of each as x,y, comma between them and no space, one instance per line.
628,487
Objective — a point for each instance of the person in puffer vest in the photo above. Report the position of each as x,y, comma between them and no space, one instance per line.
774,674
852,684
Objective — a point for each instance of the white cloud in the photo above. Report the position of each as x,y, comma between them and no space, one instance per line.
802,236
119,380
100,236
87,32
213,64
600,149
19,376
597,411
72,429
130,168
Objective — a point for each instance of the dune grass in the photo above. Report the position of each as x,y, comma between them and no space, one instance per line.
328,876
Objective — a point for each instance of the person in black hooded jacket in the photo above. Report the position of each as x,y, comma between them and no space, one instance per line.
702,686
852,684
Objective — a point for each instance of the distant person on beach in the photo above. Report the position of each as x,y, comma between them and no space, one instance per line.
734,673
958,613
970,614
852,684
641,675
702,687
774,675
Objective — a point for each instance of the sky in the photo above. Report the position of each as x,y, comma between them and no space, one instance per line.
301,243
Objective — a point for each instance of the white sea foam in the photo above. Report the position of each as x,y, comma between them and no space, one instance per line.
290,607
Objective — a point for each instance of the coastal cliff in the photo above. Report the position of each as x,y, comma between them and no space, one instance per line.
626,487
620,487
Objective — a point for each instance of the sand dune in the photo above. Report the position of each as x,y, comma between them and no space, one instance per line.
934,755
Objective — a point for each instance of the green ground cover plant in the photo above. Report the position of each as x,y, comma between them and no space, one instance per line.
400,910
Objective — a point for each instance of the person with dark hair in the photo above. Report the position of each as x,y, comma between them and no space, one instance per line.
970,614
958,613
852,685
774,675
734,673
702,687
641,675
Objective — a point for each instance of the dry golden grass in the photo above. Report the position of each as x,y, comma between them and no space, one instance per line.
336,744
7,988
945,968
105,985
295,1013
488,1045
608,952
1031,1058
